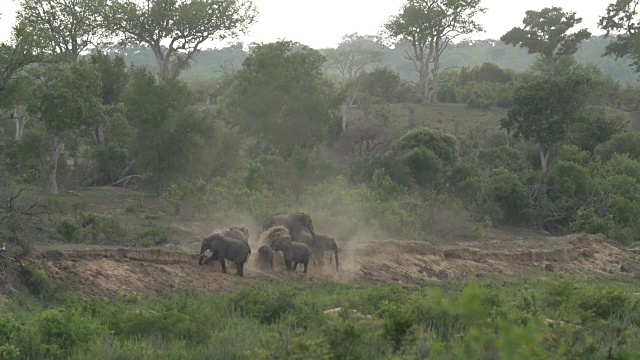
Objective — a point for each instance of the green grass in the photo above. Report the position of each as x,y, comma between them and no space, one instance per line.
510,320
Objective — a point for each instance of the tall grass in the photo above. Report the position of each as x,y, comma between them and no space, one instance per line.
560,317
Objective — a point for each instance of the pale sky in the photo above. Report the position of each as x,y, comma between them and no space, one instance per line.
322,24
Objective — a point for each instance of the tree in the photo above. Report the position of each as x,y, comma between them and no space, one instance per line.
114,78
69,99
172,141
544,109
545,32
622,19
430,26
282,97
62,28
175,29
351,58
20,100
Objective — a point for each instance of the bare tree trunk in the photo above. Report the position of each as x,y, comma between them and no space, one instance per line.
412,118
20,120
347,106
425,97
544,160
18,132
100,134
57,149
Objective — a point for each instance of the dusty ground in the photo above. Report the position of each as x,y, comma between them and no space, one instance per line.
108,271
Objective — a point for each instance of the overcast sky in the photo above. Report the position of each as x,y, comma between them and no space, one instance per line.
322,24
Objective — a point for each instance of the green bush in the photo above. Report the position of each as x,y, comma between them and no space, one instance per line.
267,307
61,332
425,167
68,230
151,236
503,197
110,161
495,158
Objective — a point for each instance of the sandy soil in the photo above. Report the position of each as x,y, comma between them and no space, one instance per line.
108,271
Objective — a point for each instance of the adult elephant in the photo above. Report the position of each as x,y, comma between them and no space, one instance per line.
293,222
319,245
222,248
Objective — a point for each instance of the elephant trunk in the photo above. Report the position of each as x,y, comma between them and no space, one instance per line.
335,249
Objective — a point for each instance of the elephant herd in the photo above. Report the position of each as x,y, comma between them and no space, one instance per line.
293,234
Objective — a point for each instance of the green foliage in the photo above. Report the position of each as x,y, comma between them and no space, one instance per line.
569,185
504,197
424,166
181,26
621,19
596,128
281,97
545,107
381,84
111,161
425,25
495,158
625,143
68,230
172,140
398,324
572,153
546,32
464,320
445,146
267,307
151,236
61,332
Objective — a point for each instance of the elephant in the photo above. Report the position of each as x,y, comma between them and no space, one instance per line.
235,250
294,252
293,222
265,257
240,233
319,245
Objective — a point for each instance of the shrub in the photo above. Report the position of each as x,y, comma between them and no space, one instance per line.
504,197
445,146
110,161
495,158
68,230
424,165
61,332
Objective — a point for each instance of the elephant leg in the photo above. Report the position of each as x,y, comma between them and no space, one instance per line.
287,264
240,267
305,264
221,255
295,265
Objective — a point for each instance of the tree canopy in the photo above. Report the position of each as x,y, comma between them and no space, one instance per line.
545,107
546,32
175,29
282,96
430,25
622,20
62,28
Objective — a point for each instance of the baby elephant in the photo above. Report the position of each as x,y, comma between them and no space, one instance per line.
223,248
294,252
265,257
